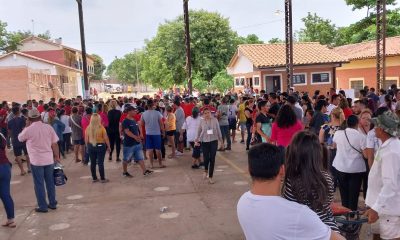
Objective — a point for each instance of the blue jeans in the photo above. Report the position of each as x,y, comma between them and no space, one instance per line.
226,135
5,196
97,154
44,175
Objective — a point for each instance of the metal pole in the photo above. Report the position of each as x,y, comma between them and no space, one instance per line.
187,42
289,43
137,72
83,45
380,43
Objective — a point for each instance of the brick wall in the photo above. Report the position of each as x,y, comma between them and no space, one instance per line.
368,74
14,84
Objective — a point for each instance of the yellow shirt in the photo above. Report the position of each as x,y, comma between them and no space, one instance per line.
170,124
242,116
100,138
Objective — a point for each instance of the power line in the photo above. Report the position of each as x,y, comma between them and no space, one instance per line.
260,24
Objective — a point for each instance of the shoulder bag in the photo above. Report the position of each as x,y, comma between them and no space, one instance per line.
360,152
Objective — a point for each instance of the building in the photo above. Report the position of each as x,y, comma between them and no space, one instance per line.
361,70
42,69
262,66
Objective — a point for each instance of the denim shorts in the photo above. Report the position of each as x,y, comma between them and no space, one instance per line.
153,142
134,152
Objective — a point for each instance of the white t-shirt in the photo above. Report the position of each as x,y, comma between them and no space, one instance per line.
372,141
191,126
330,108
273,217
232,111
347,159
65,119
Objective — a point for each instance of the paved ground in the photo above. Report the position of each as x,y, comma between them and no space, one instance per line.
130,208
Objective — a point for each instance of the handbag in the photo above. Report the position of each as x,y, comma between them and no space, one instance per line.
365,159
59,177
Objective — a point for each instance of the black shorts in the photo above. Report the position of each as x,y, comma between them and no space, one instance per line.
79,142
19,149
196,150
232,123
171,133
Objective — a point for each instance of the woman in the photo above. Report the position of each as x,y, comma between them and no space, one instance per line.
208,135
191,127
97,141
285,126
5,178
349,162
248,111
326,137
100,110
67,131
344,105
306,180
114,117
59,128
170,128
365,121
388,102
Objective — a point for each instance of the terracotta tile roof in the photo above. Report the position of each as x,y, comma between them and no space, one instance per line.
366,50
273,55
39,59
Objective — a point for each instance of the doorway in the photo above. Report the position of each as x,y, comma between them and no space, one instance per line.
272,83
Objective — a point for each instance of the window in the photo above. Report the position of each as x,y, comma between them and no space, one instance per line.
388,83
256,81
237,81
242,81
299,79
318,78
357,85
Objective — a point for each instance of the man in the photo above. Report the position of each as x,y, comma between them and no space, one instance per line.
274,105
359,106
84,124
232,114
40,107
206,104
15,127
222,116
75,122
41,142
319,117
264,214
383,195
292,101
335,100
132,147
263,122
180,120
152,121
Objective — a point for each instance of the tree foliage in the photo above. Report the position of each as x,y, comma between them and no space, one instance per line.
99,67
125,68
212,45
222,82
275,40
370,4
317,29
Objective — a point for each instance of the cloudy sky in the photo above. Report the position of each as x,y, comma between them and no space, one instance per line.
116,27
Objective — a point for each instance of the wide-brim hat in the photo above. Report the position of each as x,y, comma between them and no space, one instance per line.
33,113
389,122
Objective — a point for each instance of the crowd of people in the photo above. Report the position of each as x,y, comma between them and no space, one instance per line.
313,143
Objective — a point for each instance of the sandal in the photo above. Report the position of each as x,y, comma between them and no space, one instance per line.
9,224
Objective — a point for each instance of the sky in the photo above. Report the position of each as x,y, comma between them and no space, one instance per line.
114,28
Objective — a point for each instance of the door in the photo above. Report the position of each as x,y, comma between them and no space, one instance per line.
272,83
277,83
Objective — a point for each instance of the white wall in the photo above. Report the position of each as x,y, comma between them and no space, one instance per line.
35,45
243,65
15,60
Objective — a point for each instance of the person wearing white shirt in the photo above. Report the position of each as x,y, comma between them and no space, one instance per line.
335,100
373,143
349,162
191,126
67,144
383,196
264,214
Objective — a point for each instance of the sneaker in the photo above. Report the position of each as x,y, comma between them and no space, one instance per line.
228,148
177,153
221,150
95,180
118,159
41,210
128,175
242,142
194,166
210,181
147,172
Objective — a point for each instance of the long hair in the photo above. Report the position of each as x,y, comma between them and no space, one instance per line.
338,114
286,117
304,168
93,128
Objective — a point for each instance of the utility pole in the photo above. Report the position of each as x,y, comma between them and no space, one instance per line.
83,45
380,43
187,42
289,43
137,71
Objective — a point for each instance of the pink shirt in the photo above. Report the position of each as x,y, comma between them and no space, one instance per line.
39,137
283,136
104,119
85,123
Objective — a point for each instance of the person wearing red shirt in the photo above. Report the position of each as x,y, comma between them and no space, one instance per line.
344,105
188,107
207,105
67,107
40,107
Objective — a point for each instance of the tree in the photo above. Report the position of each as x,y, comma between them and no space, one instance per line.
222,82
124,69
212,45
369,4
317,29
99,67
275,40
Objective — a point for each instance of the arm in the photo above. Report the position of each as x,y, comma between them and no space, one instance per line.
247,113
199,132
56,150
259,131
106,139
336,236
219,134
369,152
321,135
130,134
